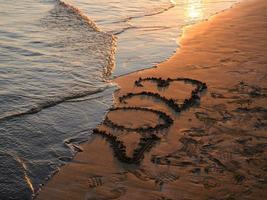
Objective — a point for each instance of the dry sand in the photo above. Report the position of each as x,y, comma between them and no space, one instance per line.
214,150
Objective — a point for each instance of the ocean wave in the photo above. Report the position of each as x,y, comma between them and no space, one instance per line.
54,101
78,18
76,11
157,11
144,28
15,177
67,52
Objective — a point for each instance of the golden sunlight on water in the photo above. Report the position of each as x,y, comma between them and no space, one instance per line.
27,178
194,10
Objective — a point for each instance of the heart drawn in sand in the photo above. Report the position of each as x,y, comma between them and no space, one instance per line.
146,143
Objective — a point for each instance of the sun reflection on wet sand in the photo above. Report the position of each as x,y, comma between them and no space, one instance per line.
194,10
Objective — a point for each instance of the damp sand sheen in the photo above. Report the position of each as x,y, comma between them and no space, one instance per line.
194,127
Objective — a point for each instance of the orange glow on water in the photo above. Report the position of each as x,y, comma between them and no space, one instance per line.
194,10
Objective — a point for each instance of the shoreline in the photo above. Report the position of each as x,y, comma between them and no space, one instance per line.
178,39
160,172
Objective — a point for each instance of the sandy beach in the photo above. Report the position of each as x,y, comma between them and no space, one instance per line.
193,127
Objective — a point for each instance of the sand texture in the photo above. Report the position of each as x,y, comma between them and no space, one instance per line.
194,127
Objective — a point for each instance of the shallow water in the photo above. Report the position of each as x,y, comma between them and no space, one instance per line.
147,30
55,58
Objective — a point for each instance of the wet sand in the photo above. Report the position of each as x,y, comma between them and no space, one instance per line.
194,127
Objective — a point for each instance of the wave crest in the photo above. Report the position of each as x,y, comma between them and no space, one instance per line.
53,102
76,11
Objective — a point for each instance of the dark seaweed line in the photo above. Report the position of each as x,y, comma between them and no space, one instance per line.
170,102
119,149
168,121
164,83
193,100
146,143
